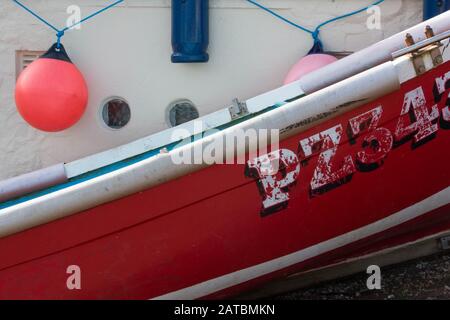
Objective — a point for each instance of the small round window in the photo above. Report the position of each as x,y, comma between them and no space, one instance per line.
181,111
116,113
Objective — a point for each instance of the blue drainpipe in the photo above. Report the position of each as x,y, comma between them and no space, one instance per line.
433,8
190,31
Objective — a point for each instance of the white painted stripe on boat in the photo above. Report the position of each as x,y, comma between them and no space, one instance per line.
209,287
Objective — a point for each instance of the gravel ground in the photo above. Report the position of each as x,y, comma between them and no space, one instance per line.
424,279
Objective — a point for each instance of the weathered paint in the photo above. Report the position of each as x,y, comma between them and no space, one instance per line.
327,173
424,123
417,119
275,173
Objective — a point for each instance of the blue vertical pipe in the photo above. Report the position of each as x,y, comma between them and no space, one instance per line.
190,31
432,8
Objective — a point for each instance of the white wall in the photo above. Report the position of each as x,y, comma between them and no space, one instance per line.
126,52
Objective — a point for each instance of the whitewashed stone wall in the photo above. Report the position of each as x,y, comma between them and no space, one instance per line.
126,52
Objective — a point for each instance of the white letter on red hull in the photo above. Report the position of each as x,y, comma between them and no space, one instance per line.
378,141
423,127
276,172
326,143
442,85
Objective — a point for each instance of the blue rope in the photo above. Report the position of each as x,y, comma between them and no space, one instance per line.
318,46
279,16
60,32
37,16
314,33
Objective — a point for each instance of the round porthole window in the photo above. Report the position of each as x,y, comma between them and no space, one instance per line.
181,111
116,113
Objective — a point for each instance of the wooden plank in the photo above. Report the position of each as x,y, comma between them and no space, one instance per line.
407,252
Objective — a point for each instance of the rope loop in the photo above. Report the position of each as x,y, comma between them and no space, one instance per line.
316,34
59,35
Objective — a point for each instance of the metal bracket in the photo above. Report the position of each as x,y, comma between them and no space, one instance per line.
417,46
430,47
433,50
238,109
445,243
419,63
418,57
436,55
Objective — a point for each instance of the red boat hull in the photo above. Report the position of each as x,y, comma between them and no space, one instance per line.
208,234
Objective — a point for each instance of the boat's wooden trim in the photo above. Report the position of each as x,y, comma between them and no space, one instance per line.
420,248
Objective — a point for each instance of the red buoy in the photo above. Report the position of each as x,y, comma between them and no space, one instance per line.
51,93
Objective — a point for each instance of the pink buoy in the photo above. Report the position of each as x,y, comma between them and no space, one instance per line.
307,65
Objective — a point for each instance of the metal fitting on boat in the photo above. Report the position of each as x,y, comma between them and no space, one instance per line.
429,32
238,109
409,40
425,54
